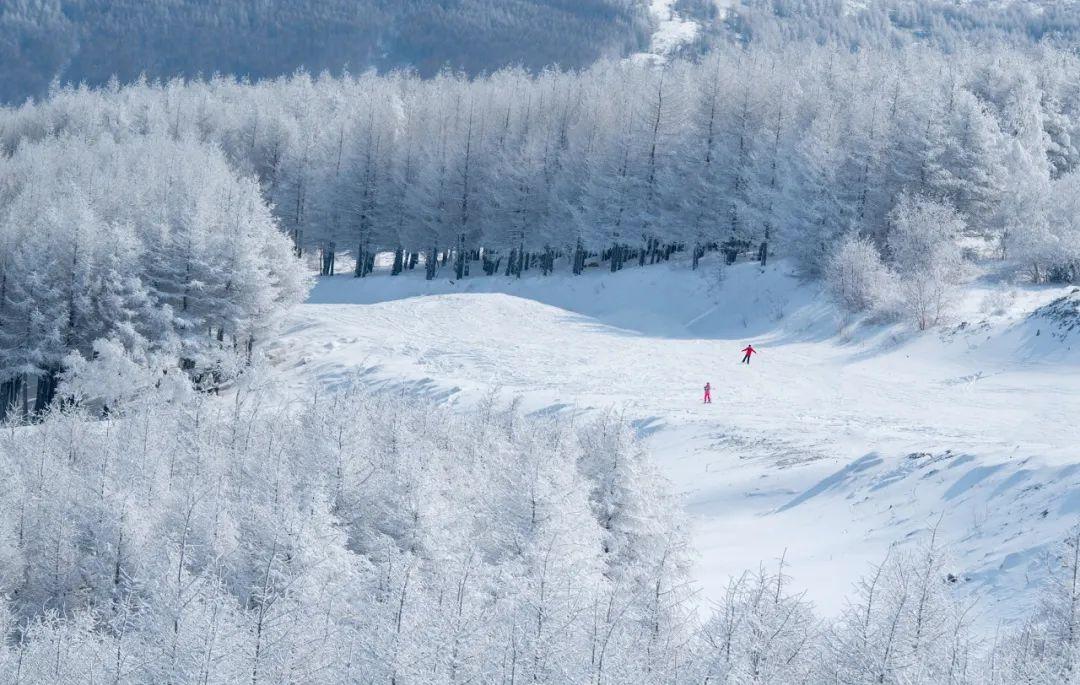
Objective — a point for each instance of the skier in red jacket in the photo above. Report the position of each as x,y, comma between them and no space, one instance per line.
747,351
708,393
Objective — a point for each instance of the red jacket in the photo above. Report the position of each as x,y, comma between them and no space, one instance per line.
749,349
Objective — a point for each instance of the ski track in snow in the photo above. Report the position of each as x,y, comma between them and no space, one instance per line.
832,445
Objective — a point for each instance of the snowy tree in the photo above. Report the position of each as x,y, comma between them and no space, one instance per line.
923,248
760,632
903,625
154,244
858,279
1046,647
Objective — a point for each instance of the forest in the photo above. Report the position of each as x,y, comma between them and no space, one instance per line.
92,41
369,538
945,24
795,148
43,42
153,244
865,168
169,514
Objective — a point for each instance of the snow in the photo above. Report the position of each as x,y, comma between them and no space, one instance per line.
839,440
672,31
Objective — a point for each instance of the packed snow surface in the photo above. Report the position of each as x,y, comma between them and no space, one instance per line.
837,441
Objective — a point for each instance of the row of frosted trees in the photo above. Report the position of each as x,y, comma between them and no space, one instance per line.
790,148
152,242
153,214
376,539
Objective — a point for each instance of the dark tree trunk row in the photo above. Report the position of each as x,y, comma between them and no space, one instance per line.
15,394
547,261
520,260
12,395
365,260
491,265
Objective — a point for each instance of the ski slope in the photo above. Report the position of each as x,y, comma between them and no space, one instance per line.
838,441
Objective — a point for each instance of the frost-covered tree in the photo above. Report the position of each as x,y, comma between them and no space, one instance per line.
1046,647
1042,226
155,244
903,625
922,246
760,632
858,278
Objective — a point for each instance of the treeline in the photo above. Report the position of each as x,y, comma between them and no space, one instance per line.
138,213
793,149
91,41
151,242
374,538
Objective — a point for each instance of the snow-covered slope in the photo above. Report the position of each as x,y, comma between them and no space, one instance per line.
672,30
838,441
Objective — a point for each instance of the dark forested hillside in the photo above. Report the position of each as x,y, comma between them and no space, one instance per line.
75,41
93,40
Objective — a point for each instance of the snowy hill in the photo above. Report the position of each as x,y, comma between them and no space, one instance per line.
836,442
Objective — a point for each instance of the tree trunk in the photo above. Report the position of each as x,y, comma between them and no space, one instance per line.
548,261
399,262
431,264
365,262
328,259
9,397
579,258
460,258
46,389
298,242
